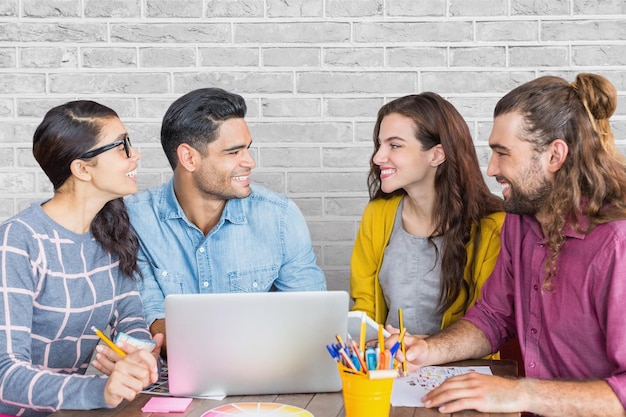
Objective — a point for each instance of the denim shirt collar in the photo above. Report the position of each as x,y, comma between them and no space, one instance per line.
169,208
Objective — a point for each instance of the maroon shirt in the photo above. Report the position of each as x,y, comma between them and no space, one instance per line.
575,331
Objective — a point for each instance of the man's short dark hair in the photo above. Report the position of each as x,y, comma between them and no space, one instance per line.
194,119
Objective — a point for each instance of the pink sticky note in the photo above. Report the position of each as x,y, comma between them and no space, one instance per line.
166,405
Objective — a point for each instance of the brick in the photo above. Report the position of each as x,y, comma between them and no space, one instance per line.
154,158
167,57
25,158
507,31
538,56
346,206
7,58
174,8
417,57
484,56
171,32
300,32
51,8
354,57
540,7
6,107
291,57
9,8
337,255
475,107
309,206
53,32
234,8
346,157
599,55
153,108
11,83
313,132
422,8
6,208
338,280
352,107
145,132
113,8
289,157
103,82
38,107
253,109
236,82
354,8
7,158
109,57
355,82
272,180
604,7
331,231
364,132
291,107
474,82
583,30
316,182
231,56
391,32
21,182
295,8
49,57
478,8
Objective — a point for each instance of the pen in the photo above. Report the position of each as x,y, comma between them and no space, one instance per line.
363,333
108,342
402,346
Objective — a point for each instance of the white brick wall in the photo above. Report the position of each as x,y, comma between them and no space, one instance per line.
314,73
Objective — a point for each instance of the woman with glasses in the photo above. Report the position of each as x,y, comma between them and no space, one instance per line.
67,265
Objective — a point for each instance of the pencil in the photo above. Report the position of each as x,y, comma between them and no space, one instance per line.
402,346
362,334
108,342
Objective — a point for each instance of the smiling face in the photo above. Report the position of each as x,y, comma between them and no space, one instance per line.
518,167
402,161
112,171
225,168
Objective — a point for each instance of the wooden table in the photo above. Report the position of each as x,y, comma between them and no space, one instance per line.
320,405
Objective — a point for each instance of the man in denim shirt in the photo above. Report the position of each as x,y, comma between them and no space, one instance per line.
208,230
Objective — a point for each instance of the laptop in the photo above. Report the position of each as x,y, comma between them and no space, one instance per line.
253,343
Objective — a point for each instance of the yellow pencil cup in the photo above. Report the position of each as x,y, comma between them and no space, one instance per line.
364,397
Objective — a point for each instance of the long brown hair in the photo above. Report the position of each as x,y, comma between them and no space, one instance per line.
463,198
67,132
592,181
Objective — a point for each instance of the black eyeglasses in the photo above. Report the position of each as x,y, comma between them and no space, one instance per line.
98,151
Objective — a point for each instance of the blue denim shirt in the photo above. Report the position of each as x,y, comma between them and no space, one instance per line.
260,242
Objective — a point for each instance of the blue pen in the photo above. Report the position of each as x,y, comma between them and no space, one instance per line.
394,349
333,352
370,359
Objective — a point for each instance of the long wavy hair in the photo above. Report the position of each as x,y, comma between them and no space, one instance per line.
67,132
592,181
463,198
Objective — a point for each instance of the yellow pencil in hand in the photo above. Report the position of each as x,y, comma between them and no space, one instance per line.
402,346
108,342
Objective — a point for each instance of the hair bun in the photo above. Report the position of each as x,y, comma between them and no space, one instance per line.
597,94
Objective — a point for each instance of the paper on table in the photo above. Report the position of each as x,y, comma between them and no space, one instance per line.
166,405
409,390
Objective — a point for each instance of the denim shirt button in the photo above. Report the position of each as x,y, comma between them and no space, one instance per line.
164,273
201,250
205,284
255,284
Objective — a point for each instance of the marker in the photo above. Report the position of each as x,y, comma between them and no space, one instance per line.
402,346
370,358
108,342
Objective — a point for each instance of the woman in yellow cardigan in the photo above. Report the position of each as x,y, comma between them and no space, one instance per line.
430,236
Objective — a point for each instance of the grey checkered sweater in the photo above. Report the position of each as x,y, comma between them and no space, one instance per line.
55,285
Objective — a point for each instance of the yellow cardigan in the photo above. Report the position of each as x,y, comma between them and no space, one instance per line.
371,241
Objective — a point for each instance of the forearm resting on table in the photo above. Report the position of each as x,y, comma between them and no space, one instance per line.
461,340
573,399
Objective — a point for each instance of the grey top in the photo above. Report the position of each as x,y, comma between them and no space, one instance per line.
410,279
